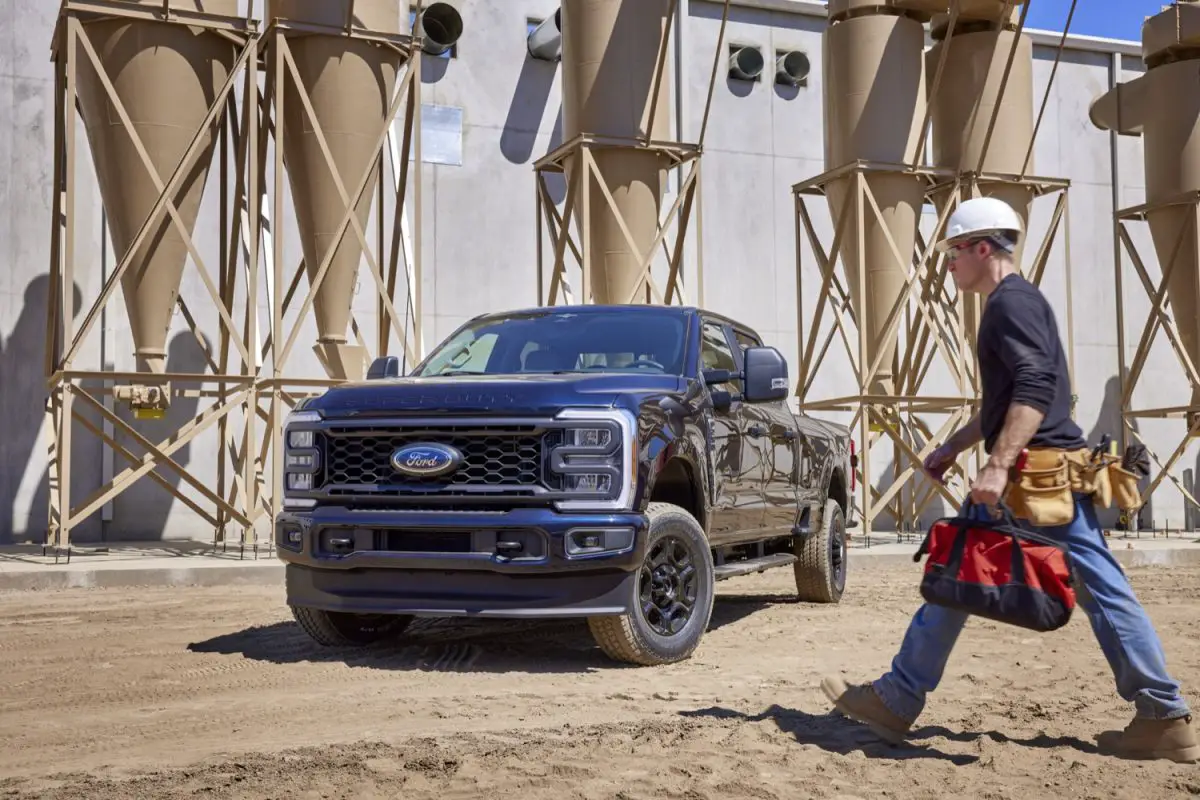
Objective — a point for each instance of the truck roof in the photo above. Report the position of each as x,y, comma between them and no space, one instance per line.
637,308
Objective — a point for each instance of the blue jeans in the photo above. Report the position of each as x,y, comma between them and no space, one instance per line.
1124,632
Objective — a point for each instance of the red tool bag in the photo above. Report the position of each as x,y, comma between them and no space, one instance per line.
998,570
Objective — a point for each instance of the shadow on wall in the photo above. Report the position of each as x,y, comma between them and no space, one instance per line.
916,487
524,121
141,512
1109,421
22,407
527,109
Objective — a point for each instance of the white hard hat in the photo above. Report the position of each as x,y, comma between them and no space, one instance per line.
982,217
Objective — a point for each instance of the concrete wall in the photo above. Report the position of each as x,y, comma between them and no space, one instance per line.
490,112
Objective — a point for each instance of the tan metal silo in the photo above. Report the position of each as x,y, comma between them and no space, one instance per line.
350,82
166,75
1163,107
874,97
609,66
983,120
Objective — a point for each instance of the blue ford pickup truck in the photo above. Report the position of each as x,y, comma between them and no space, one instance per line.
607,462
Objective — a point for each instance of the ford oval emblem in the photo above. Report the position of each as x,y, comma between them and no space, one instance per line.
426,460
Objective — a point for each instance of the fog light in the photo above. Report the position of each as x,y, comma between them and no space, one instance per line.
591,541
300,481
291,537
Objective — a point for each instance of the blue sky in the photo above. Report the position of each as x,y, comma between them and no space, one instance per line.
1114,19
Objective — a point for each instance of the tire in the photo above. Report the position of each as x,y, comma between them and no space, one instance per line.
345,629
822,558
635,637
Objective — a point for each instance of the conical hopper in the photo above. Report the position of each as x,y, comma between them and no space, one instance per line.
350,83
609,63
970,88
874,106
166,76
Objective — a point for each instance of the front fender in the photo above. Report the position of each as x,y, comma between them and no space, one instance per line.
669,429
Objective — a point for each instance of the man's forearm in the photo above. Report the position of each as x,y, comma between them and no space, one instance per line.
1020,424
968,435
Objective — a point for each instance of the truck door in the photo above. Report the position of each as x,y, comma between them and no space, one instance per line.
775,433
737,505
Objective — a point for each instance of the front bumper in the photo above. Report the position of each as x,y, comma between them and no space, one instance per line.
444,563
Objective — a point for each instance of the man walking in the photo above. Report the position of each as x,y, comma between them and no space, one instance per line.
1025,402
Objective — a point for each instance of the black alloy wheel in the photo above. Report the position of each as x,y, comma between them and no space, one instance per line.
668,585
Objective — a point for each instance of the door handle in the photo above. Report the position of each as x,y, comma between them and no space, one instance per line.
757,430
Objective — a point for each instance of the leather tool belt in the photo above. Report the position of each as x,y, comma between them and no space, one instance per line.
1041,490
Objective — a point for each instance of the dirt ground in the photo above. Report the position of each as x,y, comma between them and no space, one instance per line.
216,693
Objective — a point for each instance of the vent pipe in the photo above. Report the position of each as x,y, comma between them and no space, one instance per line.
545,41
441,26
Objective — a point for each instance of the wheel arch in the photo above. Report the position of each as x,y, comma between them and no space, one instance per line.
677,481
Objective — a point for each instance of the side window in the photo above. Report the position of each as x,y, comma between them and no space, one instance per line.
715,353
745,340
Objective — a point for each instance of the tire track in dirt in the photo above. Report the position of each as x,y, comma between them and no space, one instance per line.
211,691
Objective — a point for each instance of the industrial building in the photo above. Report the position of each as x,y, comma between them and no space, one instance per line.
490,109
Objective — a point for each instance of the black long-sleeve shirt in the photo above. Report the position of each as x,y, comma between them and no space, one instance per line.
1021,360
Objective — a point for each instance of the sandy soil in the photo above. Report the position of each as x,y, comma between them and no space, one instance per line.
216,693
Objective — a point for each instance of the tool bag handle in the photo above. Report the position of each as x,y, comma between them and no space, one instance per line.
1007,525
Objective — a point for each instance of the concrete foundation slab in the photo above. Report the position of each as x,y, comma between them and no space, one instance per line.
24,568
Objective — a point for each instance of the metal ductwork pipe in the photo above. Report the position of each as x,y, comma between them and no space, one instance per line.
1163,107
441,26
746,63
791,69
545,41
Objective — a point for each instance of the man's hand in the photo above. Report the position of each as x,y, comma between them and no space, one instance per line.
937,462
989,485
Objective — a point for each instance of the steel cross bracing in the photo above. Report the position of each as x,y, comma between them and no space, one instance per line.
279,389
242,394
934,322
688,200
1158,321
69,381
932,327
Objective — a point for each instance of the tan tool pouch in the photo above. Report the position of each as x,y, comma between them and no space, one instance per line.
1091,477
1125,489
1041,492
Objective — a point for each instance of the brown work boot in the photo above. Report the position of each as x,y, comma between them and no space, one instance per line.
862,704
1171,739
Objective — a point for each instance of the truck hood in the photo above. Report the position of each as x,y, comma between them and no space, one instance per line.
518,395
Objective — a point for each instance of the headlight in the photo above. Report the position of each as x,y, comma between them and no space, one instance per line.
301,458
597,460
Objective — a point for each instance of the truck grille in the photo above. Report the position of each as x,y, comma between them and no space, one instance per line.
509,456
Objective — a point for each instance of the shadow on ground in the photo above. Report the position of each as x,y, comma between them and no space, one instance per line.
835,733
459,644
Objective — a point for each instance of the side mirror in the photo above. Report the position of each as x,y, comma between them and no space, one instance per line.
383,368
766,375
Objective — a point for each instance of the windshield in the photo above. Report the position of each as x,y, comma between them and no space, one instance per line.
594,341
